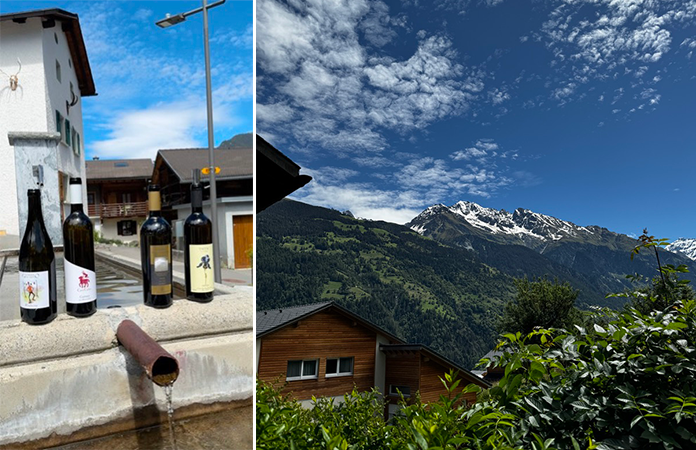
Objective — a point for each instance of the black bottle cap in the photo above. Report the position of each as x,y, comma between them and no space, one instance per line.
153,187
75,180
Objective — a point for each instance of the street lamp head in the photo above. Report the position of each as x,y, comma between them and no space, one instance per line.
170,20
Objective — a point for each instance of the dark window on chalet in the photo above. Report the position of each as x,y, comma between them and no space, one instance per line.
394,390
90,198
126,227
337,367
302,370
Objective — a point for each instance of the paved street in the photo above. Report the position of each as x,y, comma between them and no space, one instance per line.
229,276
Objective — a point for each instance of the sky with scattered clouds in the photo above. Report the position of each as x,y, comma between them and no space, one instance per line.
151,81
580,109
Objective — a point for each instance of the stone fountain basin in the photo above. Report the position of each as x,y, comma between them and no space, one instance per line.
70,380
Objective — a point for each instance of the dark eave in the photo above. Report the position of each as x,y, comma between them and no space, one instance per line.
70,24
278,175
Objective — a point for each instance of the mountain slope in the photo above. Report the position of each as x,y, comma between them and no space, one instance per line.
594,259
244,140
412,286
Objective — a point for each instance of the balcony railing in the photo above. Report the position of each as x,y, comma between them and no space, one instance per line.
110,210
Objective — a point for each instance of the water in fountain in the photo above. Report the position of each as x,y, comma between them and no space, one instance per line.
168,388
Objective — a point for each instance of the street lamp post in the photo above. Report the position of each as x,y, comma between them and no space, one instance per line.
173,20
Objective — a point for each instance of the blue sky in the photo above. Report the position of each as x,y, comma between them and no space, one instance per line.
580,109
151,81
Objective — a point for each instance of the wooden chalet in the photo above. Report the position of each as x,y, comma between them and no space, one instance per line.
117,196
234,183
325,350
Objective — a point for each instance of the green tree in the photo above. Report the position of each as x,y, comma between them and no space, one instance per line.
540,303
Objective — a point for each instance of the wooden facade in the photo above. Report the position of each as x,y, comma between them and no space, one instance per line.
328,331
327,334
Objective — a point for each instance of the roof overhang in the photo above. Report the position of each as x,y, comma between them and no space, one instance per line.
70,24
278,175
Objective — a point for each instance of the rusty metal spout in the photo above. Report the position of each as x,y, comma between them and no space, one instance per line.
161,367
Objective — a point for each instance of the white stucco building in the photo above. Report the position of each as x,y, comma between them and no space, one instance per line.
45,74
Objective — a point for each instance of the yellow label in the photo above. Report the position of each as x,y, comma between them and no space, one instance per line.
201,266
154,200
160,269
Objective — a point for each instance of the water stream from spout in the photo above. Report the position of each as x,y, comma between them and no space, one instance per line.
168,388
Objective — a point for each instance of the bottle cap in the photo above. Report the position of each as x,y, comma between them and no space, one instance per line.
153,187
75,180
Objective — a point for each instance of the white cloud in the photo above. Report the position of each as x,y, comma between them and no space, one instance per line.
596,40
330,90
140,133
137,81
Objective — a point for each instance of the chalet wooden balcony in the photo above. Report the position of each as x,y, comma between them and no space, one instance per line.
112,210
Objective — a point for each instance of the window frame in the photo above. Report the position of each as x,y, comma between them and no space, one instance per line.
302,376
394,390
338,372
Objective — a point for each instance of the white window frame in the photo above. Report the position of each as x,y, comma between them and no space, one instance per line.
394,390
304,377
338,372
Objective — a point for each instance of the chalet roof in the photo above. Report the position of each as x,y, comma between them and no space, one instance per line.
278,175
70,24
433,355
234,163
272,320
118,169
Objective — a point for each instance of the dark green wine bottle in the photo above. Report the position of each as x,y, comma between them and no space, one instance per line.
78,241
156,254
37,268
198,248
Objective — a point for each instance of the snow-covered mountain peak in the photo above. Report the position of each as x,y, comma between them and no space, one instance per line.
522,222
687,246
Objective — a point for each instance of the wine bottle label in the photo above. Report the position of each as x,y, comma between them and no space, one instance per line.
80,284
160,270
201,266
75,194
33,290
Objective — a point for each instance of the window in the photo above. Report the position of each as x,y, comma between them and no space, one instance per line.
126,227
394,390
58,74
67,136
77,144
125,197
338,367
59,125
73,139
302,370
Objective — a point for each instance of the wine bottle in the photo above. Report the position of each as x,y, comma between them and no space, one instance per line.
156,254
78,241
198,248
37,268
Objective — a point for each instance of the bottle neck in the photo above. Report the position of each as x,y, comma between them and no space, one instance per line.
196,199
34,212
154,203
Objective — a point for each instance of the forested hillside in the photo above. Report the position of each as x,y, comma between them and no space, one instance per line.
412,286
